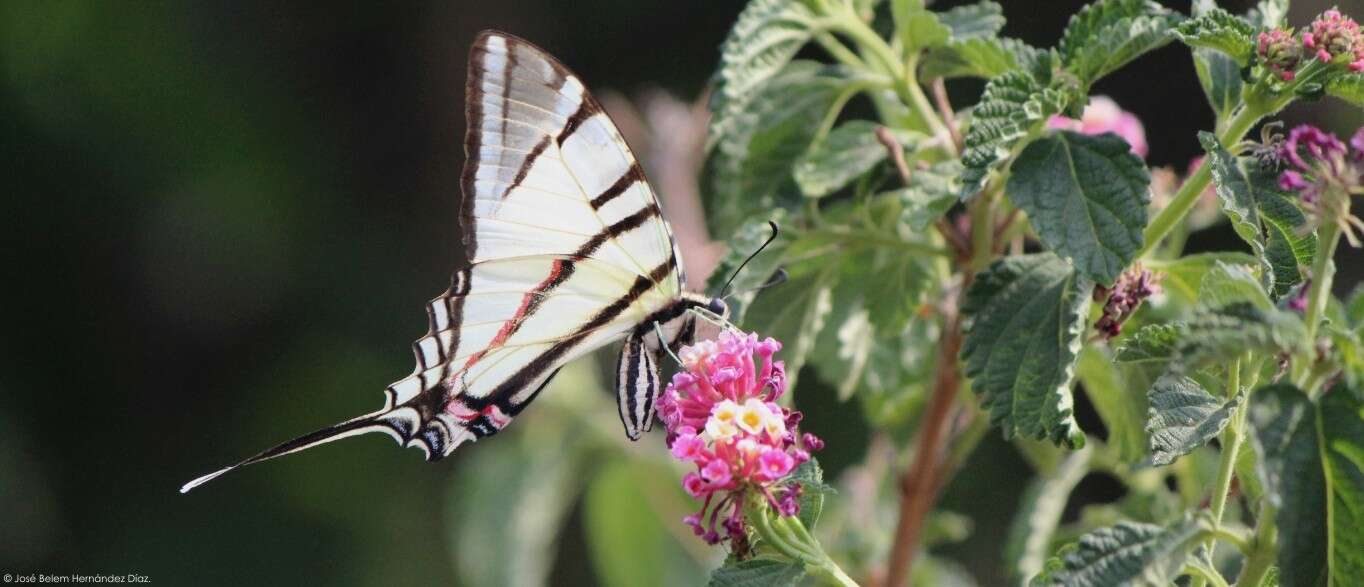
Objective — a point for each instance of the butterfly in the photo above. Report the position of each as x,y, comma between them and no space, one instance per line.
566,251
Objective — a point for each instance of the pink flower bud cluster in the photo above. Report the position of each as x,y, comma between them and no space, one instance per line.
1280,52
722,417
1123,299
1103,115
1333,37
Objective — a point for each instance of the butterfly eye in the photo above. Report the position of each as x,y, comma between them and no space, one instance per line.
718,307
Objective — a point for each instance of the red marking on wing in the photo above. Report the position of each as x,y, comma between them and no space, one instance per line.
515,322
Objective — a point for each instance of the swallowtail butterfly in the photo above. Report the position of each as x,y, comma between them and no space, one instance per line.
567,251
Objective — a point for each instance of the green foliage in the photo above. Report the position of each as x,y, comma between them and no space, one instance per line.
1285,425
1086,196
757,572
1349,88
1220,31
1119,398
1213,335
624,536
1248,195
981,20
928,195
746,239
1127,553
1040,510
1183,417
750,169
1014,105
766,36
1268,13
849,151
919,27
1153,344
1108,34
795,313
1026,317
984,57
814,490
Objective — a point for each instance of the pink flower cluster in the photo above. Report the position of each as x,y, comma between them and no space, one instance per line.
1335,36
1280,52
1103,115
1325,173
722,417
1123,299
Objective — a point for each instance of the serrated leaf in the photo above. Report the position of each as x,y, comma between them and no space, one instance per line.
1184,416
929,194
1244,189
1108,34
1039,513
1221,334
1285,437
1026,320
1225,284
847,152
1013,106
794,312
766,36
1290,243
1128,553
758,572
1152,344
813,492
984,57
1347,87
918,27
1183,276
749,171
1121,407
1220,77
1087,196
979,20
1220,31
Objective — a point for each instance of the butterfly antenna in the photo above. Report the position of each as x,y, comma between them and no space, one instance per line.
725,290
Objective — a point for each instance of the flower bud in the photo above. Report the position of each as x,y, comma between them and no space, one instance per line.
1279,52
1336,37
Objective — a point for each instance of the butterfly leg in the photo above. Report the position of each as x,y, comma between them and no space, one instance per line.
636,385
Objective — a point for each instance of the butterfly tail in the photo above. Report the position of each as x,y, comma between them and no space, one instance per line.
384,420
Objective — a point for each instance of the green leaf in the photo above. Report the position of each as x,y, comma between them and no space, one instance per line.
1106,35
1245,189
1153,344
1183,417
980,20
1342,445
1027,316
1220,77
766,36
1285,437
1347,87
1014,106
1214,335
929,194
757,572
918,27
794,312
1354,306
1128,553
749,171
1269,14
984,57
1039,514
1221,31
813,491
623,533
1184,276
745,241
1231,284
1086,196
1121,407
846,153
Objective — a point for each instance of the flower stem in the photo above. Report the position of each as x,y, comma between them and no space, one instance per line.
1323,274
1226,467
789,537
1264,548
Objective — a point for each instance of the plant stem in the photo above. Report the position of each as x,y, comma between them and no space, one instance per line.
1323,273
1264,548
1226,466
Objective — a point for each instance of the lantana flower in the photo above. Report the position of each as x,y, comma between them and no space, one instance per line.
723,419
1123,299
1280,52
1325,173
1103,115
1335,38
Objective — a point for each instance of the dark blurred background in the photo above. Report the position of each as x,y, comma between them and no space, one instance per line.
221,222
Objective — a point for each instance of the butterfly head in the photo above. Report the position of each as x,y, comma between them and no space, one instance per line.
718,307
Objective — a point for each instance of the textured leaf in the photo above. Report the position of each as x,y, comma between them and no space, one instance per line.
847,152
1220,77
767,34
1290,245
1086,196
1348,87
749,171
1285,437
1225,284
1039,513
758,572
1027,315
1154,343
1108,34
794,312
1121,406
1183,417
929,194
984,57
1183,276
813,492
1014,105
1221,31
980,20
1213,335
1342,445
918,27
1128,553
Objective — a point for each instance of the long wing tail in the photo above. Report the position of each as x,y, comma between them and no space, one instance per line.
385,420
